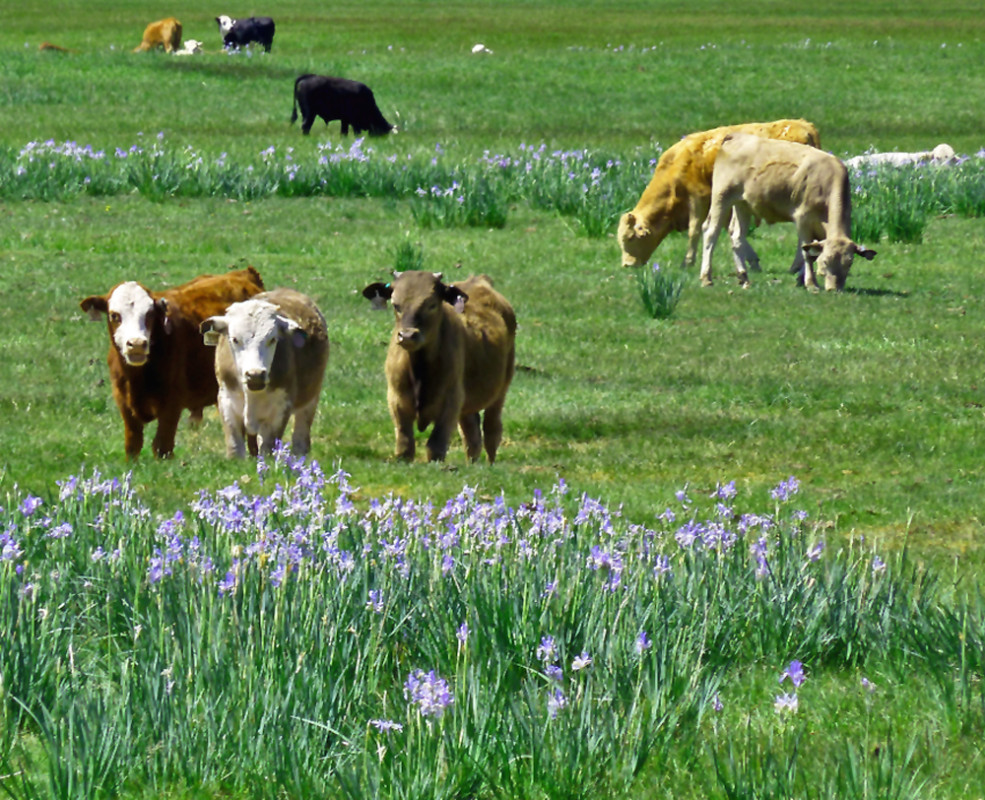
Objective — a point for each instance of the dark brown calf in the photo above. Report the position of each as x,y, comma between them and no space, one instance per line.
451,356
158,363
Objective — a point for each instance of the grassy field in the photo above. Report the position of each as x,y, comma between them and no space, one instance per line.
872,398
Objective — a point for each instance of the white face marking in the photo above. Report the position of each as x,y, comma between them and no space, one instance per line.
225,23
253,329
130,307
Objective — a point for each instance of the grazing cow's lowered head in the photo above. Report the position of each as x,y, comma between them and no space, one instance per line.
833,257
132,315
638,239
418,300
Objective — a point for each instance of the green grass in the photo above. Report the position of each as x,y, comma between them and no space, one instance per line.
872,398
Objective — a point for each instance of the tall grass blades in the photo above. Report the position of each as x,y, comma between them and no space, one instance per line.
660,291
288,641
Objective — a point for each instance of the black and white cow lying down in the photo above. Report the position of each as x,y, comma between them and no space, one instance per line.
330,98
241,32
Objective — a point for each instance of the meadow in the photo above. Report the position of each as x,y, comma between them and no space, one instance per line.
729,553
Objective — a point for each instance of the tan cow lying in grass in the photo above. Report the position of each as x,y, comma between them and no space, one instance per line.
158,363
783,182
271,352
451,356
164,33
679,192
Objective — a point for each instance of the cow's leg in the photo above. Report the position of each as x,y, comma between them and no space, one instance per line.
133,433
711,229
301,435
307,116
233,428
195,417
748,255
471,435
738,228
492,428
167,427
403,414
697,214
803,268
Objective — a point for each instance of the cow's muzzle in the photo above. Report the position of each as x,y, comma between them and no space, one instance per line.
409,338
256,380
136,352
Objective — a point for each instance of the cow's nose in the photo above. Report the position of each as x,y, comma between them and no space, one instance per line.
137,343
408,336
256,379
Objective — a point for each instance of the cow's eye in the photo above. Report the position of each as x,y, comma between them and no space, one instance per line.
234,340
114,317
396,307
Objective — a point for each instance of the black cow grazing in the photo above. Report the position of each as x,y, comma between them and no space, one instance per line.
330,98
241,32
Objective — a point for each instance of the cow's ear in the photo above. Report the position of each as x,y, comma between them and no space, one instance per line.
812,251
298,334
161,305
95,306
456,297
865,252
212,330
378,294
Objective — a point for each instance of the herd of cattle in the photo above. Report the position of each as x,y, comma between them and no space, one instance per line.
350,102
261,355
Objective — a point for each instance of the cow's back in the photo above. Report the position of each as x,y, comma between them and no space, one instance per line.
299,369
777,177
490,333
183,353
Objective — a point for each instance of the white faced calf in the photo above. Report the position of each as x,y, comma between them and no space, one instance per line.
271,352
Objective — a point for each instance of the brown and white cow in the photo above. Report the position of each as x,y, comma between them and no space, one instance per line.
270,357
164,33
451,356
679,193
158,363
783,182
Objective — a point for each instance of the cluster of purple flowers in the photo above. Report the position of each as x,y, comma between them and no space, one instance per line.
427,693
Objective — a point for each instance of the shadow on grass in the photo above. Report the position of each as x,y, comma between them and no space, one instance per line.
875,292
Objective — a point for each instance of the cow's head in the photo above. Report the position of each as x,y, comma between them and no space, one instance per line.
418,299
253,329
834,257
637,239
225,23
132,314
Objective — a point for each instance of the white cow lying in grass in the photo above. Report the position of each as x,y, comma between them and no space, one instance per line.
270,359
941,155
191,47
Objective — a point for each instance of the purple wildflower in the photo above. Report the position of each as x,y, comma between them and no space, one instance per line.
428,692
795,671
786,703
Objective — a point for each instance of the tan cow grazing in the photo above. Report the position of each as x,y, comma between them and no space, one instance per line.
158,363
451,356
270,357
164,33
679,192
784,182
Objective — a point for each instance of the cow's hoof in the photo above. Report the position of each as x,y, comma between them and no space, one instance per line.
707,282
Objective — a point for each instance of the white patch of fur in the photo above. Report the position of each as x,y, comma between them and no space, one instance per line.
225,23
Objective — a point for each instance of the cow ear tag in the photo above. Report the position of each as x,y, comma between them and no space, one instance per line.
211,338
460,304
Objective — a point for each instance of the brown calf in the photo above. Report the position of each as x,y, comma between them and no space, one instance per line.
164,33
158,363
451,356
